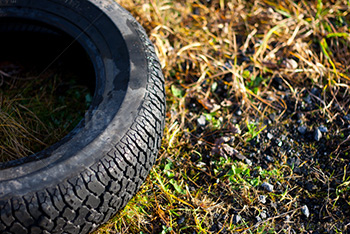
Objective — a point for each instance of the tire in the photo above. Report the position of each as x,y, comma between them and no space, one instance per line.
83,180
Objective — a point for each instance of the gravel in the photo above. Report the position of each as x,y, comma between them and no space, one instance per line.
248,162
270,159
236,219
201,121
305,211
258,219
269,135
263,214
323,129
268,187
262,199
317,135
302,129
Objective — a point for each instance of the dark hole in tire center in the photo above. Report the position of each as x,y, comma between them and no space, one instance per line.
46,84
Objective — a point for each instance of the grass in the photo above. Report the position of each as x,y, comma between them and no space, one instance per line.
34,116
243,80
241,77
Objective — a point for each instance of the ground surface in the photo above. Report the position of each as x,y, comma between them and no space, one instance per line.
257,134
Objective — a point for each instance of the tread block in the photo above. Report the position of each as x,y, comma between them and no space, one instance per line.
92,183
118,159
35,230
112,168
81,218
18,228
69,196
68,213
33,206
56,198
46,223
108,215
80,187
131,188
87,227
130,172
21,212
93,201
114,187
47,205
71,228
60,223
116,202
6,213
95,216
101,173
127,151
105,204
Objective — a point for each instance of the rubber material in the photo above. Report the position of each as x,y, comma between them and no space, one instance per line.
79,183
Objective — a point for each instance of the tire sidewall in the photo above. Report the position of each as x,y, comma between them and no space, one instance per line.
121,90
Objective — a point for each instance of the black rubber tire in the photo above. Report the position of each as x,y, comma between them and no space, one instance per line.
79,183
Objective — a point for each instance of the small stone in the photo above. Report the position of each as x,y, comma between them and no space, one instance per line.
280,143
290,64
270,159
305,211
269,135
201,164
323,129
317,135
236,219
263,214
302,129
180,220
258,218
273,205
268,187
248,161
234,120
201,120
262,199
226,139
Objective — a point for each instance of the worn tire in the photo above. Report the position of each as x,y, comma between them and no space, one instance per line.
82,181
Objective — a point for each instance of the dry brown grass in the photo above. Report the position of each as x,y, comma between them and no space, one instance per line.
34,116
236,71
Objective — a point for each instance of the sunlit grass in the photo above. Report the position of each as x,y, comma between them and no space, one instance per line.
229,66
